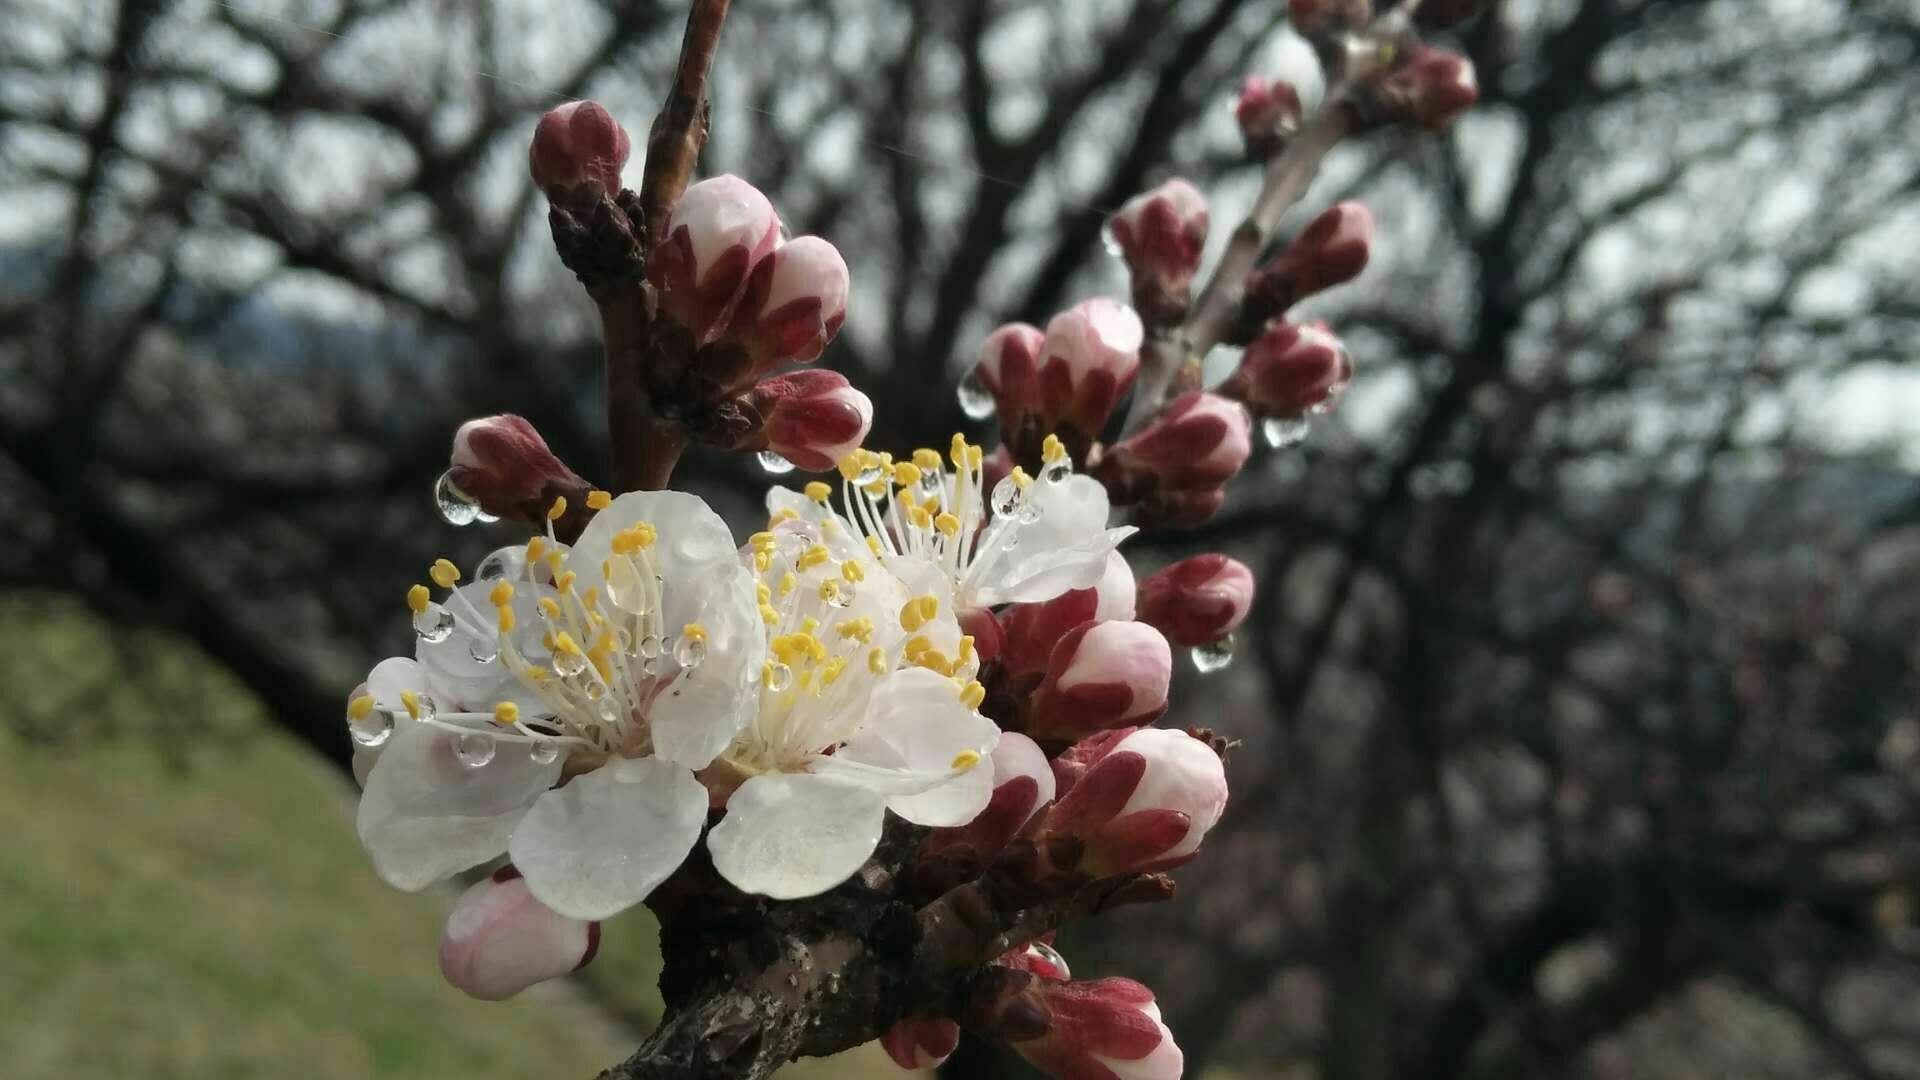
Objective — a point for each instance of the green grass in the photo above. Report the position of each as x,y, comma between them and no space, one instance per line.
199,907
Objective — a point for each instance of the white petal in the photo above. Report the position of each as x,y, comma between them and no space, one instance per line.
921,577
701,711
600,844
1050,570
391,676
916,722
788,835
454,678
691,535
426,815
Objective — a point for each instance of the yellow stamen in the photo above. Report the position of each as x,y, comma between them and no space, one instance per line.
947,524
412,701
359,707
852,572
444,573
966,648
501,595
506,619
550,607
850,466
814,556
536,547
417,599
788,582
787,513
874,545
768,615
829,590
599,500
1052,449
559,508
818,491
972,694
693,631
565,581
906,474
506,714
966,759
928,460
1020,478
877,660
563,642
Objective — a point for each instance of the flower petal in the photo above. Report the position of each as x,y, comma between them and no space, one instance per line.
707,705
600,844
691,535
917,723
426,815
788,835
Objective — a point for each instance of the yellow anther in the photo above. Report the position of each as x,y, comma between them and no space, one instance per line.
599,500
506,714
556,560
763,561
852,572
693,631
831,673
877,488
591,601
910,617
768,615
850,466
565,581
536,547
947,524
786,513
788,582
966,648
814,556
966,759
935,660
506,619
975,456
972,694
860,628
563,643
766,594
905,498
502,594
444,573
929,607
412,701
550,607
359,707
417,599
928,460
957,450
874,545
916,645
818,491
1052,449
919,518
644,534
606,568
829,590
1020,478
559,508
761,540
877,660
906,474
809,624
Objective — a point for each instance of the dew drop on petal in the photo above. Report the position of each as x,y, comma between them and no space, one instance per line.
649,646
543,751
372,729
779,677
434,625
1047,954
1284,431
474,748
774,464
973,396
690,652
484,650
1213,656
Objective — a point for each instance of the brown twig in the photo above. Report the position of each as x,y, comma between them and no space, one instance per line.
678,133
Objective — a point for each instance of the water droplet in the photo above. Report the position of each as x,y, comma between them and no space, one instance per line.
569,664
1055,472
607,711
1028,512
622,640
1284,431
456,506
595,689
425,709
779,677
842,595
484,650
1213,656
372,729
774,464
434,625
1049,955
1111,242
872,474
975,400
474,748
1006,496
690,651
650,666
506,564
649,646
543,751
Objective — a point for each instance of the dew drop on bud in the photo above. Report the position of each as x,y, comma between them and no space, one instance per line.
1047,954
690,651
1213,656
474,748
1006,496
974,399
1284,431
434,625
372,729
779,677
774,464
543,751
456,506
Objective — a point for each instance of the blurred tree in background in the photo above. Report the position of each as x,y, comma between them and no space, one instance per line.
1579,701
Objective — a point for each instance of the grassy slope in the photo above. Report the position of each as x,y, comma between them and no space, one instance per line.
220,921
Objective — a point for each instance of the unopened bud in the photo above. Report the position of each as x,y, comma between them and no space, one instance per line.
1029,632
1106,1027
500,940
921,1042
1102,675
1139,800
1089,360
577,153
1431,87
794,304
1023,783
1199,600
503,464
1268,112
813,418
1330,251
1160,234
1290,369
718,232
1199,443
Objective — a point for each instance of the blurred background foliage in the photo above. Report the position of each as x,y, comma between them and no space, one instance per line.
1579,700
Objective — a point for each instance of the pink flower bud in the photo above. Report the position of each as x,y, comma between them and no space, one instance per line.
1268,112
577,153
1102,675
1290,369
1023,784
1117,591
1330,251
1029,632
1140,799
1431,87
1009,367
719,231
1199,600
1160,234
1091,354
499,940
1317,16
503,464
813,418
921,1042
1198,443
1106,1028
794,304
